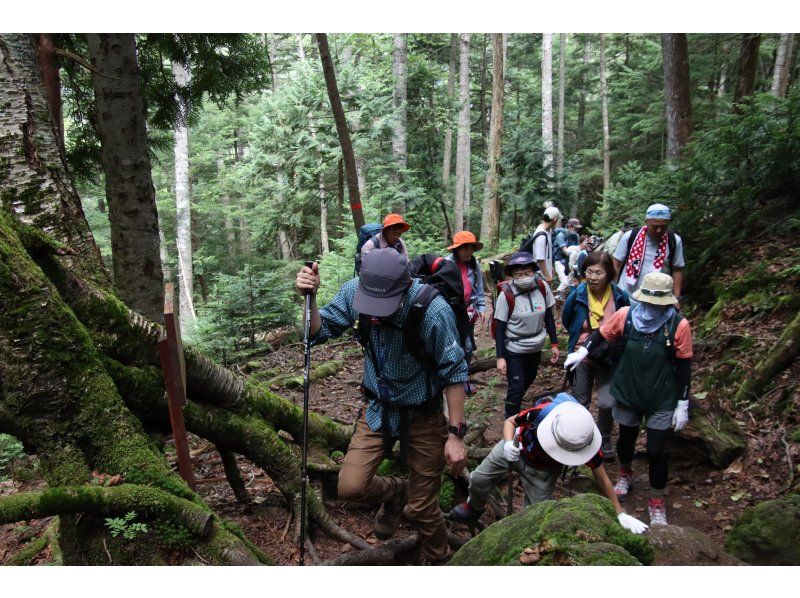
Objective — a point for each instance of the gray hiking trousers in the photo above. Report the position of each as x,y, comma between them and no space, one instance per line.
538,483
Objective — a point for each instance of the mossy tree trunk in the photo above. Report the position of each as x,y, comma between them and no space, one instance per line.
79,382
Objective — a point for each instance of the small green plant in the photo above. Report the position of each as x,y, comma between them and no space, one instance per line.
10,449
126,526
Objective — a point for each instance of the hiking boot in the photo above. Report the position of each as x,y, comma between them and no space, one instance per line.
388,517
658,511
464,513
607,448
623,486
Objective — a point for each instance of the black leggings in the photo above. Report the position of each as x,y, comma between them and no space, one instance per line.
521,372
656,455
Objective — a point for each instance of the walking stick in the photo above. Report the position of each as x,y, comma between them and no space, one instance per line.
306,382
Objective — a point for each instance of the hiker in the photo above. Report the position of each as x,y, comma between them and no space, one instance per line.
540,243
565,238
555,434
394,225
463,248
651,381
652,248
524,320
402,390
613,240
589,305
590,244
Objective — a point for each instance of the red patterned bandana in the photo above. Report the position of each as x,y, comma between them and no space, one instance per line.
633,267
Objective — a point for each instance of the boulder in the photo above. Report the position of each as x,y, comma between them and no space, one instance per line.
676,545
712,437
769,533
582,530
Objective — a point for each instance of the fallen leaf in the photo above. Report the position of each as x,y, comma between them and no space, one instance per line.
676,505
700,395
735,467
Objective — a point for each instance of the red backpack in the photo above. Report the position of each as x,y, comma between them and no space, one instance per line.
505,288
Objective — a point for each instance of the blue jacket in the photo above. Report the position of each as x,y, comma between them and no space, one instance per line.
562,240
576,310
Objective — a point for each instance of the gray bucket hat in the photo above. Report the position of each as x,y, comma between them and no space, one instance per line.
383,278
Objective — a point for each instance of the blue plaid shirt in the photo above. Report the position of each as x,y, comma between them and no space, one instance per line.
405,376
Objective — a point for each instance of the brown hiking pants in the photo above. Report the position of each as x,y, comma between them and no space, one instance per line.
358,482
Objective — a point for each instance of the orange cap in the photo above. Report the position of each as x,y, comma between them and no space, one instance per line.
394,219
465,237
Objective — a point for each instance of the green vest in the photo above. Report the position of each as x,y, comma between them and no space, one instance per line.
644,380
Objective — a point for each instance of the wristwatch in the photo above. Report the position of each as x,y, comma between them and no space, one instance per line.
460,430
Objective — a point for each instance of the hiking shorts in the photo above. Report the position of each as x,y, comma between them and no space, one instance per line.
625,416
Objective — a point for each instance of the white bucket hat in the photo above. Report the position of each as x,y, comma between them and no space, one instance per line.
569,435
656,289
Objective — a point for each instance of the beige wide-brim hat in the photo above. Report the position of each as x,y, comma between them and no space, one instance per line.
656,289
569,435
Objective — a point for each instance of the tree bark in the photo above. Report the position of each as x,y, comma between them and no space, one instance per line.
482,91
675,50
587,57
547,107
746,67
604,106
230,234
48,63
490,225
783,62
121,120
561,89
183,209
448,132
399,151
463,140
341,129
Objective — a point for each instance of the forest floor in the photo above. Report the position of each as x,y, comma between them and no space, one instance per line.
697,496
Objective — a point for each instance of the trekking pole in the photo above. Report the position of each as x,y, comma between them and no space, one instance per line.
306,382
510,480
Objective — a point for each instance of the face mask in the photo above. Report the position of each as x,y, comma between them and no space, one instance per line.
524,283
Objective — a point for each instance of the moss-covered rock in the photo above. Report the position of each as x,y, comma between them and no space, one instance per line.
769,533
582,530
710,437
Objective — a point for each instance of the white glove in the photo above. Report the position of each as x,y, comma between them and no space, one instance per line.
573,359
631,523
680,417
510,452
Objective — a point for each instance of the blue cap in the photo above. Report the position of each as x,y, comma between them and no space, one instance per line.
658,210
521,258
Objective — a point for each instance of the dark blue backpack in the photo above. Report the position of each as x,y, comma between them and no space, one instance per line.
365,233
528,430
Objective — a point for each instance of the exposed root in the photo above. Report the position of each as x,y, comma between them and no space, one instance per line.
383,554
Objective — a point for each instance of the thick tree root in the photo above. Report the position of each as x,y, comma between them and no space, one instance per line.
384,554
233,475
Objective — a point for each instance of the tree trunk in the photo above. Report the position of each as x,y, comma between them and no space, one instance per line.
587,57
48,64
604,103
547,107
448,132
675,50
490,224
230,234
463,140
341,129
783,63
561,90
399,152
746,67
183,209
482,92
121,120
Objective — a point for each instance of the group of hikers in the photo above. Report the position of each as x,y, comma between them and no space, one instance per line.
627,341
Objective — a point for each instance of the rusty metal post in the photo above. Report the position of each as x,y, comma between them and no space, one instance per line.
170,352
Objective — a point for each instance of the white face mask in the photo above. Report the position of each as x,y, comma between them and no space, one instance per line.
524,283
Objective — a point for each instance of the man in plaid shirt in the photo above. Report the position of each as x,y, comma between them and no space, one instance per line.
404,394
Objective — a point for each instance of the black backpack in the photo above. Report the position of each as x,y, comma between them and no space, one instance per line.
365,233
440,277
527,242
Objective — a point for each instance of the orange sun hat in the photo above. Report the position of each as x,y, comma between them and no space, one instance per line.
395,219
465,237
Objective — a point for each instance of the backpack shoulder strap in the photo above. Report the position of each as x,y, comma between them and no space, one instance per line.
631,239
412,327
671,331
671,243
540,284
511,298
626,330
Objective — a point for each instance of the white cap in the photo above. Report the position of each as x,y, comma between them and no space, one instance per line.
553,213
569,435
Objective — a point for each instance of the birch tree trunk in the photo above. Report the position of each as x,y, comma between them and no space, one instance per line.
675,50
746,67
604,106
183,226
341,129
490,223
783,62
547,107
461,205
448,132
130,194
561,89
399,151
